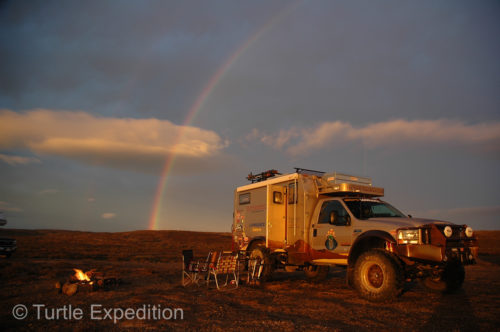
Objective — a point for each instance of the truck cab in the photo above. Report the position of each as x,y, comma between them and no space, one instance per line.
310,220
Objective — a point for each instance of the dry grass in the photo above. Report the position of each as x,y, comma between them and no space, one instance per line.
489,242
149,263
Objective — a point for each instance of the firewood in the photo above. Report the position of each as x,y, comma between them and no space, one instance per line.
69,288
58,286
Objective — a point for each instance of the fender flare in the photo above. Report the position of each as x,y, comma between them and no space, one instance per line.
375,233
256,239
369,234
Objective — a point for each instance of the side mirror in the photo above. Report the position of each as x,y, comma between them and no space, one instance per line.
410,216
335,219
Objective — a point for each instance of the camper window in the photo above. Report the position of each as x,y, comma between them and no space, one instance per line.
245,198
277,197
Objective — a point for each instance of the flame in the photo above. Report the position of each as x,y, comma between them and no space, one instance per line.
81,276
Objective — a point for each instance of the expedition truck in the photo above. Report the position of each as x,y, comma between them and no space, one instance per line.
310,220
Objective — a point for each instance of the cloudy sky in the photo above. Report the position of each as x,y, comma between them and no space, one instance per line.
123,115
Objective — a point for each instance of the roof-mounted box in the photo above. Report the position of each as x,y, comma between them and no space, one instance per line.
337,178
338,183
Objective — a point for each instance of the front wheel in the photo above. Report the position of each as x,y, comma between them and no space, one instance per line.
378,276
450,280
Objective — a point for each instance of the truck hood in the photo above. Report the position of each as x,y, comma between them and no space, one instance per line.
395,223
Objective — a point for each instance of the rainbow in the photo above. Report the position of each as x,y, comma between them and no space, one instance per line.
198,104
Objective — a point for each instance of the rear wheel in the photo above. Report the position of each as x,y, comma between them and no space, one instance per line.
261,253
316,273
378,276
450,280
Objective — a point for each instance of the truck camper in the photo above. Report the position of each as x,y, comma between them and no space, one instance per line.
310,220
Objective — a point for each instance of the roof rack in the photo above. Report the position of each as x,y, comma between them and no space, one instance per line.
262,176
308,171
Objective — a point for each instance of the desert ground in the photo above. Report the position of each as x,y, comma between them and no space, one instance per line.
149,264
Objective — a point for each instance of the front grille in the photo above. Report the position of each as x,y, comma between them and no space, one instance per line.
458,239
458,232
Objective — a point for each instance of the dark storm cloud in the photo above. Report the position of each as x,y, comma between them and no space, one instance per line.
356,60
369,61
150,57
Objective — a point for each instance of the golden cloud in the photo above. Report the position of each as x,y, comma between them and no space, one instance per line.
108,215
395,133
141,144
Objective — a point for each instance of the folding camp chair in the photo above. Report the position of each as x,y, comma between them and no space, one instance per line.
204,267
189,268
192,269
226,265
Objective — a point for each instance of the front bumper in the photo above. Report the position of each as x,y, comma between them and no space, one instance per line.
433,253
440,249
466,256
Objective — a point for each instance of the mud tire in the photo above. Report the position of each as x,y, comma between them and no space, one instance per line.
378,276
450,280
316,273
265,256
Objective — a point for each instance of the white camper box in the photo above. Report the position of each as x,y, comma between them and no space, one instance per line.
279,209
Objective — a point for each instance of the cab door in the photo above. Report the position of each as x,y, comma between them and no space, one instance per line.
332,230
276,217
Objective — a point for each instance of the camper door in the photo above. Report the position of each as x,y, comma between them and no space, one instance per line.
276,216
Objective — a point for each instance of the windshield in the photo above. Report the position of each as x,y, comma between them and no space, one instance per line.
371,208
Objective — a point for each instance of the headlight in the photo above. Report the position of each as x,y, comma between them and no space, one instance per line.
408,236
448,231
469,232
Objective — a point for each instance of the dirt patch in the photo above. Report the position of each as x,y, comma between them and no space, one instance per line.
149,263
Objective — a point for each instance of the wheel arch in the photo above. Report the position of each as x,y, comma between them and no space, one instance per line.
254,241
364,242
368,240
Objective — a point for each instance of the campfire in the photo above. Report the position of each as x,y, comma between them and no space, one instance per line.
79,275
89,281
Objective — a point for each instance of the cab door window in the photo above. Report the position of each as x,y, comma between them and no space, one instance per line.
339,217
